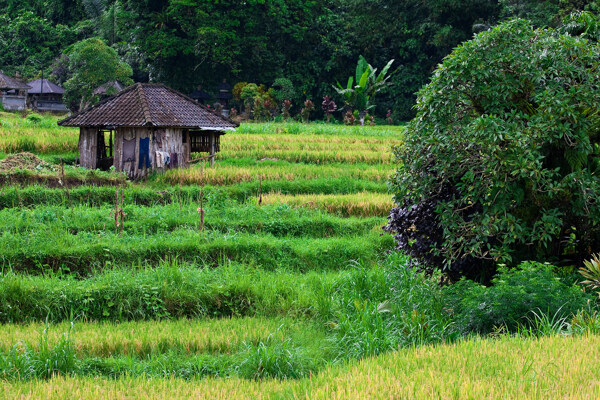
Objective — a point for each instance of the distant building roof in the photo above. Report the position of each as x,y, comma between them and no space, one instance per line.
6,82
149,105
224,86
199,94
116,87
40,86
224,89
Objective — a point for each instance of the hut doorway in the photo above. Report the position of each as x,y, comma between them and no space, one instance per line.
105,149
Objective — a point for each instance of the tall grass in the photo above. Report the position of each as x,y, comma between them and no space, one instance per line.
399,308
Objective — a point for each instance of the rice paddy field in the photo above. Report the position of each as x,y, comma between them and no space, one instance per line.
231,282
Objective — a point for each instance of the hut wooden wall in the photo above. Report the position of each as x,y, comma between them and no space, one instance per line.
171,142
88,147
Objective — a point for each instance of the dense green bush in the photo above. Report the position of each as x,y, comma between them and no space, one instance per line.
501,162
511,300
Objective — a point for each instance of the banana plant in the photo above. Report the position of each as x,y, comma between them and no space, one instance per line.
358,96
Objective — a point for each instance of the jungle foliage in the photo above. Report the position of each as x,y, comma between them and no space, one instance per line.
184,43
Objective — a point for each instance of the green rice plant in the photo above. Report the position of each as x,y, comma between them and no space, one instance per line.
321,129
41,135
364,204
312,156
38,252
15,196
229,174
274,357
184,291
277,220
45,136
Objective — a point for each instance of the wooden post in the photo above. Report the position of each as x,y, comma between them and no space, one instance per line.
110,143
116,211
212,150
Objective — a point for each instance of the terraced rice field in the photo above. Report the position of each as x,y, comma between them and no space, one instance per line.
244,291
246,301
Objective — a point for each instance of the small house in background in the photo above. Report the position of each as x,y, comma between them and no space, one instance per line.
13,93
224,95
146,127
45,96
108,89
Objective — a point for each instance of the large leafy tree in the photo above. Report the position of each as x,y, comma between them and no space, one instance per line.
90,63
501,163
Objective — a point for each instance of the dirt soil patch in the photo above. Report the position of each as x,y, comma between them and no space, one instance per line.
22,161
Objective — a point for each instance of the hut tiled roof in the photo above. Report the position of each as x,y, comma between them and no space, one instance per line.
6,82
44,86
151,105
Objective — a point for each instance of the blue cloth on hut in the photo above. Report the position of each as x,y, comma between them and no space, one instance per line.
144,153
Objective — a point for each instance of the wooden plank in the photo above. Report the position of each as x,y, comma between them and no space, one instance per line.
118,151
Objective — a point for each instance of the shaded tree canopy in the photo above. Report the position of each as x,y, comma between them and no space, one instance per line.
313,44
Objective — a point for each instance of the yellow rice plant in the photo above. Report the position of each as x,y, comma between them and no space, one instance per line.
509,368
310,156
45,136
149,337
295,142
228,175
363,204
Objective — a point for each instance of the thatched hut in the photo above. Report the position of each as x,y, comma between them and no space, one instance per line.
146,127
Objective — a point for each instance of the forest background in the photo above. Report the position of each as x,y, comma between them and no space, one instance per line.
314,44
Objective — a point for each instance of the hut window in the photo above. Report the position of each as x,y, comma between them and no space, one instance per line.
200,141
